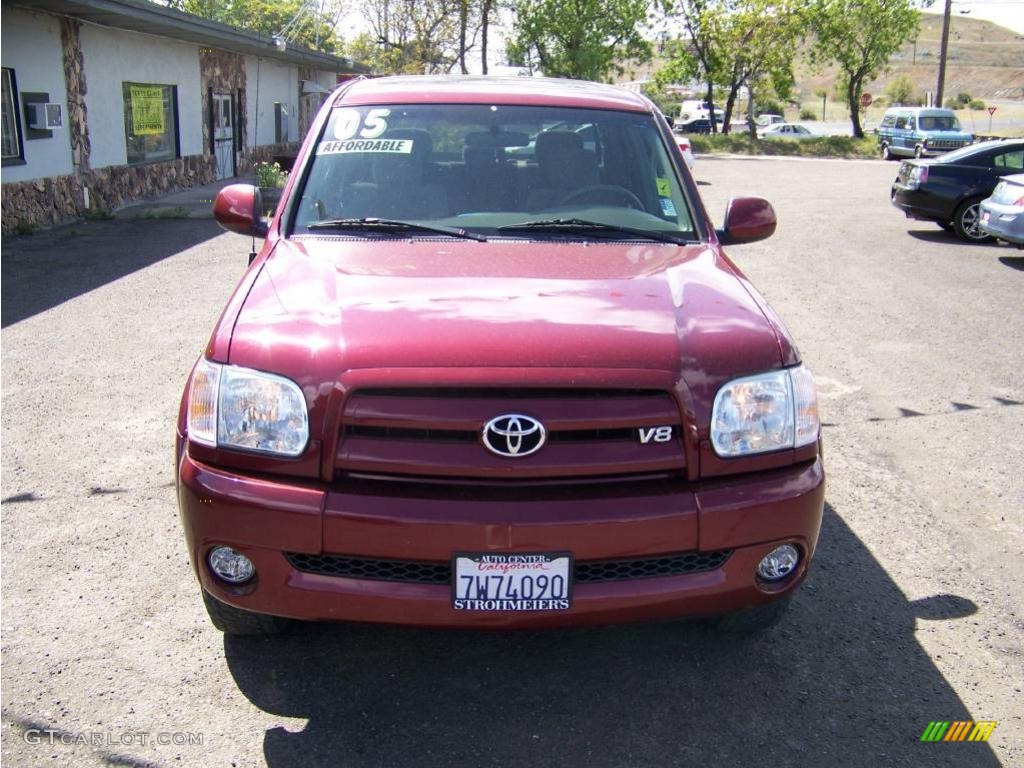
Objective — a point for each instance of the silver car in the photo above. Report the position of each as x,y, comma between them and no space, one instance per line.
1002,215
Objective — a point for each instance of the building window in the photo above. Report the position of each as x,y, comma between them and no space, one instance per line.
13,153
150,122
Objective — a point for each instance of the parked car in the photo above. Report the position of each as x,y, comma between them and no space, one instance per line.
793,131
459,390
700,125
684,146
681,141
920,132
1002,215
767,120
949,189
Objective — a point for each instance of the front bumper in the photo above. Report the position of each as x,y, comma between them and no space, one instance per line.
266,519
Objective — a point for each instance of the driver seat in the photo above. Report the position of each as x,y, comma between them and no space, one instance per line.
564,166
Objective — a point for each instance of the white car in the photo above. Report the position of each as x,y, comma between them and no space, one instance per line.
787,131
684,147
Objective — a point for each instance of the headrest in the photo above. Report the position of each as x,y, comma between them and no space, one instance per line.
550,144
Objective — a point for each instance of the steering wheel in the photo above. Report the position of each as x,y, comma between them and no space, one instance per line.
607,190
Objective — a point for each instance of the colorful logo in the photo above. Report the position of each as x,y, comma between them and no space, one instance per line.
958,730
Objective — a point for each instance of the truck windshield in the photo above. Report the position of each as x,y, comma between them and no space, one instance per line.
940,123
479,168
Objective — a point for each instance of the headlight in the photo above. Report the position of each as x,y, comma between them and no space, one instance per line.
767,412
241,408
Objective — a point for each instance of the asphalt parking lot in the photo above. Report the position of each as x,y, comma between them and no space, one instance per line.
913,612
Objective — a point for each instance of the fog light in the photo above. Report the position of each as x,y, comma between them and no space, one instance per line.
779,563
232,566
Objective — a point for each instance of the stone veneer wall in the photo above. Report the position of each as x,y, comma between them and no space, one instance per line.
225,73
40,202
74,80
49,201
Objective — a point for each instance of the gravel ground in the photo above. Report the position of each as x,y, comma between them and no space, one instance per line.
913,611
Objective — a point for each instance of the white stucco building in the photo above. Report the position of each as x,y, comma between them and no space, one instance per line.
143,99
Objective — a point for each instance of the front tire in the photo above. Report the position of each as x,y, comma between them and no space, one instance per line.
967,222
887,153
918,151
235,621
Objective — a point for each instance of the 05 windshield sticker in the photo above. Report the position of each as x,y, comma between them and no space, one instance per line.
667,207
347,122
664,187
380,146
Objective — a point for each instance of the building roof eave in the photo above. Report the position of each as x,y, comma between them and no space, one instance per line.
149,18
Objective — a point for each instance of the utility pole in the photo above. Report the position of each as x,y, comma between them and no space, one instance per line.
942,55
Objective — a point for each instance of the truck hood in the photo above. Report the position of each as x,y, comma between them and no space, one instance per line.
323,305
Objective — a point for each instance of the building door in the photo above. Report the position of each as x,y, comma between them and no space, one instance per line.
222,119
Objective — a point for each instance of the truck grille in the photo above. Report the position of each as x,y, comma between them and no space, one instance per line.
945,144
586,571
437,433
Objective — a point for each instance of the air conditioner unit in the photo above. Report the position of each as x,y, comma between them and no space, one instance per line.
43,116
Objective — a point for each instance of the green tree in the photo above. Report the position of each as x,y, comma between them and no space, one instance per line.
860,36
736,44
697,53
312,24
901,90
581,39
426,36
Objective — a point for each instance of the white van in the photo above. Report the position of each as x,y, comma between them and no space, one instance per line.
695,109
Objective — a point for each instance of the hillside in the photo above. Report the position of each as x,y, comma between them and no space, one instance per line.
984,60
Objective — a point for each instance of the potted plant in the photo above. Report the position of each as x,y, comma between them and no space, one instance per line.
270,178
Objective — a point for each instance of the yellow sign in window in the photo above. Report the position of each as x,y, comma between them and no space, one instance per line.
147,110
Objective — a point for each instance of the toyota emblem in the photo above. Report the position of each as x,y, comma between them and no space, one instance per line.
514,435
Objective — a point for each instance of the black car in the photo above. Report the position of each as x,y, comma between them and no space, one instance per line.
700,125
949,189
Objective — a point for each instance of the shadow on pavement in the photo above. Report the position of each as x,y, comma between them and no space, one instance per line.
937,235
1014,262
46,269
842,681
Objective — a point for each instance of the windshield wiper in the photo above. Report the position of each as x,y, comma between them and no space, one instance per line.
394,225
583,225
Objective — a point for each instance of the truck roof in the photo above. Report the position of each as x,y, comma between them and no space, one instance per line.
475,89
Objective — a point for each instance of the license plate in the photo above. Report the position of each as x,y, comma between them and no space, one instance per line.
490,581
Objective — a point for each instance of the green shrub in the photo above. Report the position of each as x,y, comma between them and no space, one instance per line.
824,146
964,99
953,104
270,175
977,104
808,114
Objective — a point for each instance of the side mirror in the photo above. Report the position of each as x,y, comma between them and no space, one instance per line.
747,220
238,208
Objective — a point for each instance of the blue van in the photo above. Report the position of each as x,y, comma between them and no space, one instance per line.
920,132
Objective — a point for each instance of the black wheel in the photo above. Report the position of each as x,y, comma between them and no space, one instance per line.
604,191
918,151
235,621
752,620
887,153
967,222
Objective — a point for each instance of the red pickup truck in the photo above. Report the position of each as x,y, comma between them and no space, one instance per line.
492,368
